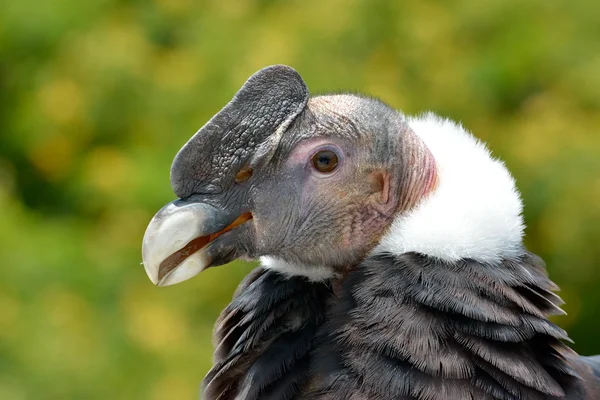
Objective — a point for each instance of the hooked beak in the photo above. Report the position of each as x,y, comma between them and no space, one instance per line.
176,242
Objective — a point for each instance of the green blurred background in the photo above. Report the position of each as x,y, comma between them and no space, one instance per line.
96,97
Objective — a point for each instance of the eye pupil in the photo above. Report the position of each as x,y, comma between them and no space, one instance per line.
325,161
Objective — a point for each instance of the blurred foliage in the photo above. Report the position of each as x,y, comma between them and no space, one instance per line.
97,96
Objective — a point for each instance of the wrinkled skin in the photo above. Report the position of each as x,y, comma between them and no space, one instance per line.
336,216
329,219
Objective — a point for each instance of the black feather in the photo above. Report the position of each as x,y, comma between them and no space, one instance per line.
427,329
264,338
400,327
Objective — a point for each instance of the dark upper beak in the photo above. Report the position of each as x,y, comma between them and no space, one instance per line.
176,242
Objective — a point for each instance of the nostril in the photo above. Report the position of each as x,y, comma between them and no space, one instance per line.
244,174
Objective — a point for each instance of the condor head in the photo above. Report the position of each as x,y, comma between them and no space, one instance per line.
309,184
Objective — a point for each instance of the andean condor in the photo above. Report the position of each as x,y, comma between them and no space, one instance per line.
392,261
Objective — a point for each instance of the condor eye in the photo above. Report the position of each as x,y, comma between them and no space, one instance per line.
325,161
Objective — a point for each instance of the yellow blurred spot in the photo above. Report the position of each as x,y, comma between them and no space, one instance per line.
438,24
65,308
61,101
152,324
174,6
10,310
117,42
277,46
174,387
107,169
177,69
333,17
119,229
12,389
67,337
385,81
542,131
52,156
233,8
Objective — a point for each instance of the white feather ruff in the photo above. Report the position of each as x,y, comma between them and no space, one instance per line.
475,210
314,273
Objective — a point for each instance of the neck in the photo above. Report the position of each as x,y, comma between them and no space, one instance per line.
472,208
418,173
436,329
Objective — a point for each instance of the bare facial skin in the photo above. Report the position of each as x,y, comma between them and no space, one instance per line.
298,206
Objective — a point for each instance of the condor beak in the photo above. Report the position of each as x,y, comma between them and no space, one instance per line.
176,242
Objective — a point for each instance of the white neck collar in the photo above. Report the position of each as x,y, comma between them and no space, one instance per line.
475,210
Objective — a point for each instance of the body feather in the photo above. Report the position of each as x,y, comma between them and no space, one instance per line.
392,330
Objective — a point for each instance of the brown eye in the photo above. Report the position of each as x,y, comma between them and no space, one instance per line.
325,161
